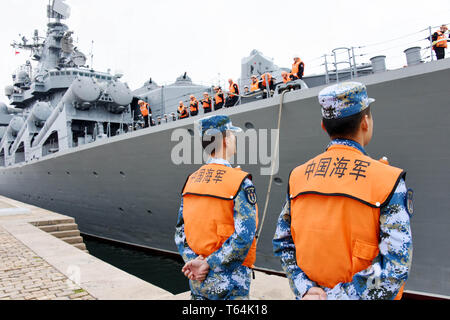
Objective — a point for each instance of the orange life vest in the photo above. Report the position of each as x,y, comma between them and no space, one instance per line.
208,209
296,68
206,103
441,40
335,206
269,78
182,110
286,80
144,110
194,105
233,90
219,99
254,86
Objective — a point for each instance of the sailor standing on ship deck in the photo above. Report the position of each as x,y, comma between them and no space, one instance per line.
207,103
298,68
183,112
440,40
233,94
146,112
219,99
344,232
218,219
193,106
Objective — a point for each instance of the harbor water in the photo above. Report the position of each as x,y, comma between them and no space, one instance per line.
161,271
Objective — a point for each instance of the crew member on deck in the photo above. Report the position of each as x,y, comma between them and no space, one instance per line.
298,69
255,85
267,84
145,111
440,39
207,103
344,232
233,94
285,77
183,112
218,219
193,107
219,99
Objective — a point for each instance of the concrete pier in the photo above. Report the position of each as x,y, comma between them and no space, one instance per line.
43,257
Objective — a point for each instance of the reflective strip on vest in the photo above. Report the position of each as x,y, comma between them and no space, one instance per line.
208,209
335,206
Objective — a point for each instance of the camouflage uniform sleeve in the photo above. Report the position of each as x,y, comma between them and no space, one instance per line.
235,250
180,239
284,248
389,271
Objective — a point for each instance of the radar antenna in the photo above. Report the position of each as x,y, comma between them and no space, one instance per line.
58,10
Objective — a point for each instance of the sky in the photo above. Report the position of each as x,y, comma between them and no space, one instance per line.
162,39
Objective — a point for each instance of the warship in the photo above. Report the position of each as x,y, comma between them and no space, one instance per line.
72,141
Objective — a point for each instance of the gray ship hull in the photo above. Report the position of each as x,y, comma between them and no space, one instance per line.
127,189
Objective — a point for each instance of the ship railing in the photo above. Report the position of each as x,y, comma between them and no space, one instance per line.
357,60
185,97
353,57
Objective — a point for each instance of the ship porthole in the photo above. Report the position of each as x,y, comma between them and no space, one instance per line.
122,173
95,174
249,125
68,173
121,210
149,212
49,173
278,181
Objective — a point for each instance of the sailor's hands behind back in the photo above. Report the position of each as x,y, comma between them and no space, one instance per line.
196,270
315,294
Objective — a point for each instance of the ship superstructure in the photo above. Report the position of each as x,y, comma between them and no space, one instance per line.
61,103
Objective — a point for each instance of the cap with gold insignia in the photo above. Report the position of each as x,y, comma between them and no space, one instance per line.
344,100
216,124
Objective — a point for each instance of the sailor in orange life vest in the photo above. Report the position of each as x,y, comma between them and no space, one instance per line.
146,112
298,68
218,219
233,94
344,232
219,99
183,112
206,103
193,106
285,77
440,39
267,87
255,85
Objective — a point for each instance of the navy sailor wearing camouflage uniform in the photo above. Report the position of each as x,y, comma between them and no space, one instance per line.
218,219
344,232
